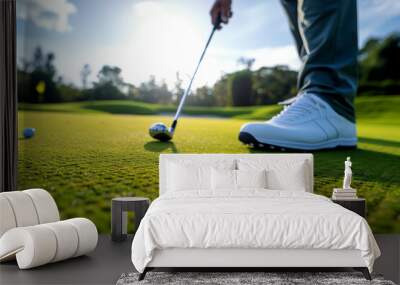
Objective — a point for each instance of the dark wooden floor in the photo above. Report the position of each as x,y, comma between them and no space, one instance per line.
110,260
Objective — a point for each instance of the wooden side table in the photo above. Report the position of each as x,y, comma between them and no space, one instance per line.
119,208
358,205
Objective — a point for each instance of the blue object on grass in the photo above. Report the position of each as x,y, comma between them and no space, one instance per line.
29,132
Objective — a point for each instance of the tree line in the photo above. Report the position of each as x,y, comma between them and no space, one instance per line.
39,81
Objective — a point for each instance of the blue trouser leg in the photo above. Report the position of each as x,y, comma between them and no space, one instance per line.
290,7
325,32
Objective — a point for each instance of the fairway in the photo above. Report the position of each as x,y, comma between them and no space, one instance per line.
86,158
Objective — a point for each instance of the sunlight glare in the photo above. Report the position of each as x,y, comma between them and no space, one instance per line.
163,40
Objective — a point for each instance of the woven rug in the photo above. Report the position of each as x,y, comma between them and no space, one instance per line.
243,278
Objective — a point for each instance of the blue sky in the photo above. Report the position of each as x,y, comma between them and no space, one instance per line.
162,37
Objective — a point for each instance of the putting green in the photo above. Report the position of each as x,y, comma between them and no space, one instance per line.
85,159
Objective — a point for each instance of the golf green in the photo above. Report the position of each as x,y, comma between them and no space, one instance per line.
86,158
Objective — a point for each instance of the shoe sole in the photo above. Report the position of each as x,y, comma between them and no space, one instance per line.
251,141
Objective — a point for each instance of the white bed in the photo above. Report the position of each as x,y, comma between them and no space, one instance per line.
248,227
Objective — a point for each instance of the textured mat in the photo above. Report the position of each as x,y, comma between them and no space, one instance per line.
233,278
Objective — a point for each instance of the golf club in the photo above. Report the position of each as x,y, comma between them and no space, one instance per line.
160,131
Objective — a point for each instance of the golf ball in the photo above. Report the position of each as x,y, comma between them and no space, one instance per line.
29,132
160,132
158,128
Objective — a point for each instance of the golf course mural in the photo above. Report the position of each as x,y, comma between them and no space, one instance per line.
85,113
84,157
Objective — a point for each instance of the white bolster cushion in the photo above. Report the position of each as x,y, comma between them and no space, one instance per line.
26,208
87,234
7,219
23,208
33,246
37,245
46,207
67,240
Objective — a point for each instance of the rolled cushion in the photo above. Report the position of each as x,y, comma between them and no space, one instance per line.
7,218
37,245
26,208
46,207
23,208
87,234
33,246
66,238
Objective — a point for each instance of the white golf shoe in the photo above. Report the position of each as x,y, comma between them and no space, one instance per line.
309,123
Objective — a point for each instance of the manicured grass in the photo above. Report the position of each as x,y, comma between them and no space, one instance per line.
379,108
129,107
84,158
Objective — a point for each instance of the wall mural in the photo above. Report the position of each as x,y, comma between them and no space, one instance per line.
91,83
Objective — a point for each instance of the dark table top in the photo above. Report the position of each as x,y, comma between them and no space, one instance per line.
350,200
130,199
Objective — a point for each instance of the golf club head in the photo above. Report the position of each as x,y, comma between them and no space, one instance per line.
160,132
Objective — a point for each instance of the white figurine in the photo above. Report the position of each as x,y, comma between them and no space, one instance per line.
347,174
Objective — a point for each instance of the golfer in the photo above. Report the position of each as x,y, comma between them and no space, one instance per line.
322,114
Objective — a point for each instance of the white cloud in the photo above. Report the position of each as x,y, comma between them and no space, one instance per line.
374,14
47,14
375,9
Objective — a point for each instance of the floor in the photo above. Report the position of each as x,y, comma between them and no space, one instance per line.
110,260
103,266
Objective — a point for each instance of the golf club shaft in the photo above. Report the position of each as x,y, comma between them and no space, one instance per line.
187,91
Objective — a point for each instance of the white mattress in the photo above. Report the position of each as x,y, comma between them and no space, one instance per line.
251,220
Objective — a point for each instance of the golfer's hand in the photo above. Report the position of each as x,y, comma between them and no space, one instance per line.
223,8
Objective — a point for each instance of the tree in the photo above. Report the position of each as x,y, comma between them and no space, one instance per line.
37,62
151,92
381,59
202,97
178,90
110,85
274,84
369,45
246,62
379,63
104,91
37,82
240,88
220,92
131,91
85,72
49,67
112,75
69,92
